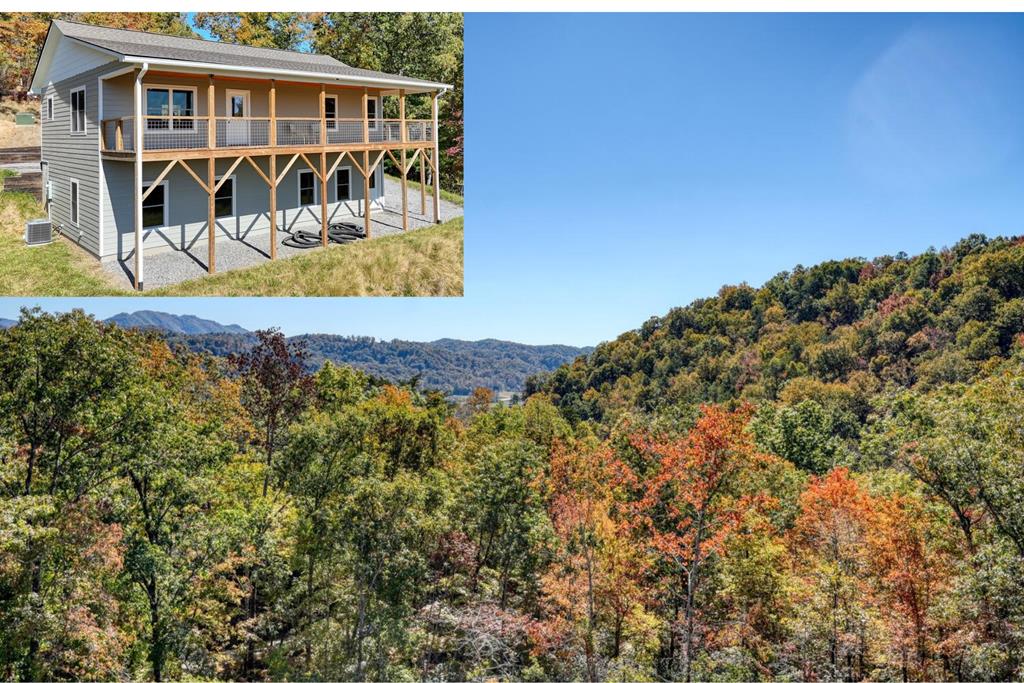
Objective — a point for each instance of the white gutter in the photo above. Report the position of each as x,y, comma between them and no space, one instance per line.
138,124
206,67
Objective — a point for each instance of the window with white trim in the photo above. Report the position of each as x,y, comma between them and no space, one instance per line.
48,111
173,107
307,188
343,184
224,199
78,110
73,216
154,206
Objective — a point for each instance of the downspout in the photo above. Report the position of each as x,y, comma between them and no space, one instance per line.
137,201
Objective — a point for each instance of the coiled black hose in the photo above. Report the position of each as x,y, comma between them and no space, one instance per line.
339,233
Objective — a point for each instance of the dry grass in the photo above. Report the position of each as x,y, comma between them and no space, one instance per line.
425,262
56,269
12,135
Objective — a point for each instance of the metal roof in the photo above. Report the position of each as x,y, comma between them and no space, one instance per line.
143,45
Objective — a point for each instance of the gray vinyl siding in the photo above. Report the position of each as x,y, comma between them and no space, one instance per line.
187,213
74,156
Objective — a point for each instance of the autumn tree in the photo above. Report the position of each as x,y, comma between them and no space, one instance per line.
690,506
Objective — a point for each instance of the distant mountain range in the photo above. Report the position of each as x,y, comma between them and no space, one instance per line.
450,365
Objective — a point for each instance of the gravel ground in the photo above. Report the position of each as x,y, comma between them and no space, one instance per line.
171,267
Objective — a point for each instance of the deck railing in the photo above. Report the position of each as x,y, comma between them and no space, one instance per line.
162,133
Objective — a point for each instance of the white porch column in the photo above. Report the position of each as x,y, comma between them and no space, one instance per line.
437,162
137,195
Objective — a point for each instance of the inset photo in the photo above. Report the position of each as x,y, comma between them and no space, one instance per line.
231,154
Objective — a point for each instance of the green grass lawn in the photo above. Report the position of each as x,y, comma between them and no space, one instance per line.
424,262
445,194
55,269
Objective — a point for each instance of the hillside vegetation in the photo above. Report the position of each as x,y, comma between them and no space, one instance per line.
449,365
838,332
820,479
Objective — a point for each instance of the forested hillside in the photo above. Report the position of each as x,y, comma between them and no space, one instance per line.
820,479
449,365
839,332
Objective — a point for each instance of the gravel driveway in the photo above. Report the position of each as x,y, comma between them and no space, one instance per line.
171,267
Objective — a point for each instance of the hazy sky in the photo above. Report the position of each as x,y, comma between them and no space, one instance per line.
620,165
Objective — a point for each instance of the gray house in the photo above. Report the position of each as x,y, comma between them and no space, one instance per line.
149,141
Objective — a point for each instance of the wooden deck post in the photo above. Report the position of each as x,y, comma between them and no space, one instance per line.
323,115
323,199
366,190
273,113
211,119
437,163
119,136
366,116
211,231
273,203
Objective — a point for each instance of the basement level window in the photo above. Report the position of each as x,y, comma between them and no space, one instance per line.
307,188
154,207
343,184
224,199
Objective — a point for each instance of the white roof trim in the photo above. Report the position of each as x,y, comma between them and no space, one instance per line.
206,67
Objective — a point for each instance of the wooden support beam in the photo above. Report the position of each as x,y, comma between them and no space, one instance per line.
211,231
366,195
310,164
334,166
323,198
119,135
273,112
287,168
405,186
195,176
366,116
228,173
259,170
412,160
394,160
323,115
380,157
401,114
355,163
211,116
159,179
273,207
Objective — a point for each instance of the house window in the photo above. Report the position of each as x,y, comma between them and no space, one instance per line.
74,203
307,188
78,110
154,206
343,184
373,180
49,108
224,199
173,107
371,112
331,111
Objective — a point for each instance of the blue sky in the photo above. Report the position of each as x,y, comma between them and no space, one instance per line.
620,165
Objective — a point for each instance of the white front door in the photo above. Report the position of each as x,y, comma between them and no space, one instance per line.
237,124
